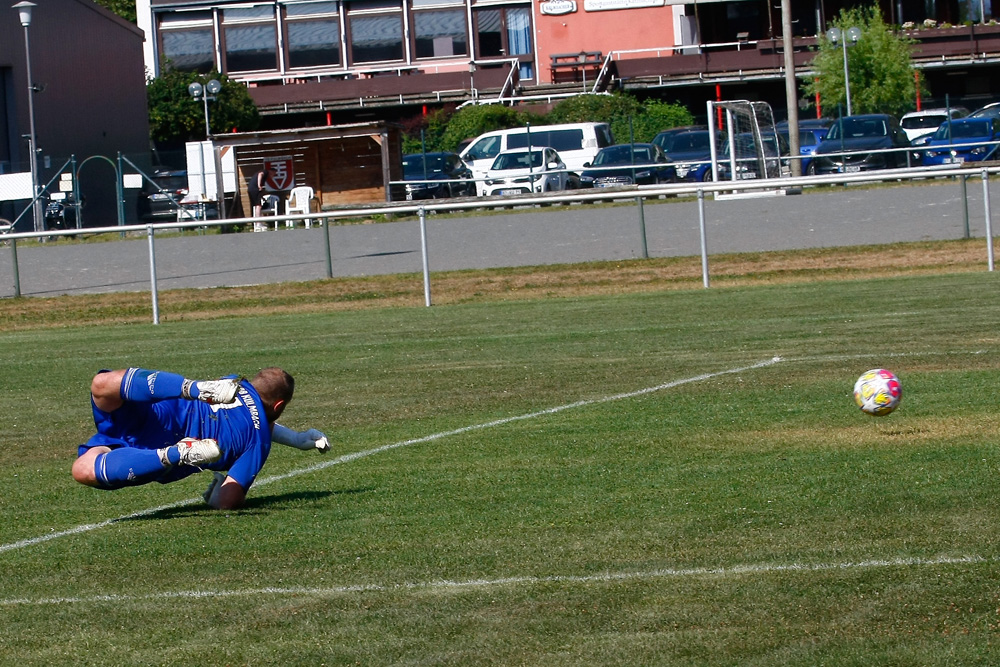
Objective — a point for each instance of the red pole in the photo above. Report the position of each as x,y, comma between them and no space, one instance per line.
916,84
819,108
718,110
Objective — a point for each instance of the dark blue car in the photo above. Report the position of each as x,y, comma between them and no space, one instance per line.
691,154
963,140
627,164
862,143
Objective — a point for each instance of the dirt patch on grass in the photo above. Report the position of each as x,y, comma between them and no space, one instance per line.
595,278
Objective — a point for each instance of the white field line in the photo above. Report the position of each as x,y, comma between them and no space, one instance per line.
609,577
347,458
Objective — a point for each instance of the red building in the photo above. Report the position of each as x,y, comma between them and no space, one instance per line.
327,61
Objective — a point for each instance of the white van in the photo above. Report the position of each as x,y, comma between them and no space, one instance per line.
576,144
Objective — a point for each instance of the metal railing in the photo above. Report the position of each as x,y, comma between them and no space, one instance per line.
638,194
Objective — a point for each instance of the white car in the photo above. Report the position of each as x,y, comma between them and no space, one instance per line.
919,123
523,171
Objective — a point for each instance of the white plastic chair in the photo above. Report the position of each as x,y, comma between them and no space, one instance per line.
299,200
269,205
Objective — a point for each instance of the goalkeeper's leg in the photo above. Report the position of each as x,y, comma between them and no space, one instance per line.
111,389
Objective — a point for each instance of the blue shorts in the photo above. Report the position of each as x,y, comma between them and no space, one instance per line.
139,425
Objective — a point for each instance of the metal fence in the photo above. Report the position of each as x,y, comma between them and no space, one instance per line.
701,192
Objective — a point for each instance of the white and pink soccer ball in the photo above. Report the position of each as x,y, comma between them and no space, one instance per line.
878,392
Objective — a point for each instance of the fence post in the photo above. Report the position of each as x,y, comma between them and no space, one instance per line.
423,253
642,227
965,203
989,222
152,276
329,258
17,273
704,239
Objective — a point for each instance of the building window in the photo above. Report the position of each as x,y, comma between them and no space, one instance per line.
439,33
506,31
250,38
313,34
375,31
187,41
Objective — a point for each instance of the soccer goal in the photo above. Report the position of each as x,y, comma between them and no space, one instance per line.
752,148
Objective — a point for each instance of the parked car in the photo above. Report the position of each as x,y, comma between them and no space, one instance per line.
862,143
628,164
663,139
159,201
748,162
437,175
522,171
576,143
918,123
963,140
991,110
692,155
811,133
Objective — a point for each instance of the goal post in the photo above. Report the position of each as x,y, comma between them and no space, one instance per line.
752,148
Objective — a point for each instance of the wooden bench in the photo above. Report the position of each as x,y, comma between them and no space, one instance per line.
567,67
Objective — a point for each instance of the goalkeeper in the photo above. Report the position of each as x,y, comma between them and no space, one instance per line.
154,426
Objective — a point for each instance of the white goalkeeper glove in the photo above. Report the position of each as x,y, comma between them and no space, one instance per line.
212,492
311,439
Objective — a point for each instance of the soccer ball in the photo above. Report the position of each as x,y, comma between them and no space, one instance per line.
878,392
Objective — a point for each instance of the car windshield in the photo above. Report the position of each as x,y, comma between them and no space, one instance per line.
806,137
623,155
413,165
525,160
687,141
172,183
855,128
746,146
925,122
989,111
964,130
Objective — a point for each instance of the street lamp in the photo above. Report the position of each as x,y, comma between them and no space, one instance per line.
852,36
24,13
205,93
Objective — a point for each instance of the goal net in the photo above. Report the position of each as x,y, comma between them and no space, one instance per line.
751,148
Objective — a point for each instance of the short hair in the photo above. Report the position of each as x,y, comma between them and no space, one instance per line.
274,384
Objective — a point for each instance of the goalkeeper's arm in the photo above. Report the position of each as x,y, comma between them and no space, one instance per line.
311,439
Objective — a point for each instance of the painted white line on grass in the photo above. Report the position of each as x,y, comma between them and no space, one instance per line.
608,577
347,458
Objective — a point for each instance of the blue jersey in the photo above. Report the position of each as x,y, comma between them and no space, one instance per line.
240,428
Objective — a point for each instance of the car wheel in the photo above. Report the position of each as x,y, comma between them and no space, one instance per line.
811,169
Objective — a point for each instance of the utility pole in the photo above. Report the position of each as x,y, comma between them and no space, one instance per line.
791,87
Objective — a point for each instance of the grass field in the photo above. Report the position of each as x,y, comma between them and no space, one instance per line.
663,478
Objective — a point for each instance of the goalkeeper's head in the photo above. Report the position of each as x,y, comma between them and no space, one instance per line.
275,387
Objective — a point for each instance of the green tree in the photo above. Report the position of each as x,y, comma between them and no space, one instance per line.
629,118
880,72
176,117
124,8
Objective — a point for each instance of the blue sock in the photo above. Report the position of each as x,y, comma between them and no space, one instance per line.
140,384
131,467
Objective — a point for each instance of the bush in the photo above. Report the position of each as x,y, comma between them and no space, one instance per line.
444,129
473,120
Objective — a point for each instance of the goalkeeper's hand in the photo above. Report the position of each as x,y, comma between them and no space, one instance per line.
311,439
316,439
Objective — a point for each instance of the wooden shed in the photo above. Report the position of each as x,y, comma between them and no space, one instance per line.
344,165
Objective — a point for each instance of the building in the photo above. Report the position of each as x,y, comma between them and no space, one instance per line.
310,62
89,99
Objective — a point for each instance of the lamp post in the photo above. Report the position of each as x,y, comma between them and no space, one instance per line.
24,13
852,35
205,93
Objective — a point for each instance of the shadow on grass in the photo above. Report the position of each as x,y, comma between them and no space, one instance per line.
254,504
